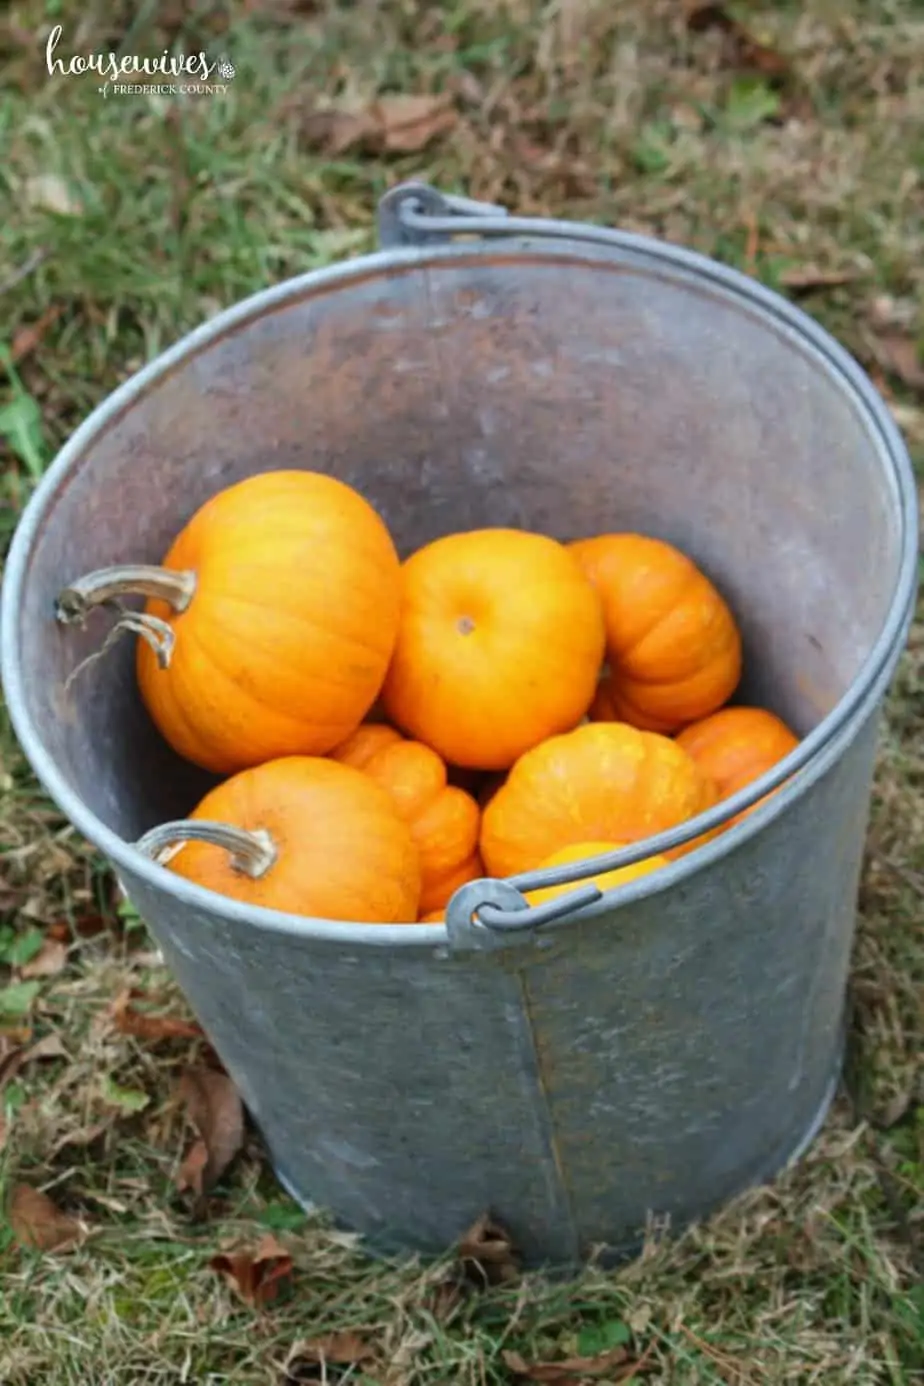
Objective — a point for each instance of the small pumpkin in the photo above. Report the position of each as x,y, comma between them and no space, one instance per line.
673,648
603,782
737,745
472,869
443,819
605,880
269,625
499,646
307,836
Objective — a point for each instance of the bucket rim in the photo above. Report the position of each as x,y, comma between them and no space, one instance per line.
875,671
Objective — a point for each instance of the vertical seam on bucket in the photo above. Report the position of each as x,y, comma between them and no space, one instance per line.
549,1128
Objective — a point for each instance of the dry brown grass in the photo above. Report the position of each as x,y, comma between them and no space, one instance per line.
808,170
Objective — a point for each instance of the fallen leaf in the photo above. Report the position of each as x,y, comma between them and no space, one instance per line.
28,338
744,51
128,1020
899,355
85,926
12,1057
39,1223
337,130
409,123
16,999
50,193
48,962
310,1356
598,1338
392,124
488,1254
257,1276
810,277
191,1174
127,1100
570,1370
21,426
214,1108
24,947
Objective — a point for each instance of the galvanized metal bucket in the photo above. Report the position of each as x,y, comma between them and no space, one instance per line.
649,1054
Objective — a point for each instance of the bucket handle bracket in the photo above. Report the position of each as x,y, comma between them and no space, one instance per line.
414,214
487,914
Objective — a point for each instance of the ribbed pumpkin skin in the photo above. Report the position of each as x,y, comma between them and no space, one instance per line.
737,745
500,645
444,821
605,880
316,812
603,782
672,645
472,869
285,644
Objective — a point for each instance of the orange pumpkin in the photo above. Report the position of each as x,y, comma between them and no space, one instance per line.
736,746
672,645
499,646
606,880
603,782
472,869
270,624
444,820
314,837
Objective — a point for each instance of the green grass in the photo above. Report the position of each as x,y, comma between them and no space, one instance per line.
603,111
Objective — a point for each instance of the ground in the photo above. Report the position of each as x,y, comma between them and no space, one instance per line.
785,139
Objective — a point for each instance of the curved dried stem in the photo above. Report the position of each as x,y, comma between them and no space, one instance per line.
106,586
252,853
129,580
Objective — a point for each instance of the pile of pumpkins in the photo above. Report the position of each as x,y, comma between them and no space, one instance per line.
387,731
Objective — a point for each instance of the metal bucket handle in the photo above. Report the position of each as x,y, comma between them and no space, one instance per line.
413,214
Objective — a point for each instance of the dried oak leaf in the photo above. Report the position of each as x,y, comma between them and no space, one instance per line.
744,51
13,1058
258,1275
570,1371
152,1029
28,338
309,1357
48,961
214,1108
899,355
389,125
487,1253
807,277
39,1223
84,926
409,123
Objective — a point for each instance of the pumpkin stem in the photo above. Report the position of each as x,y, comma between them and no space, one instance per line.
252,853
106,585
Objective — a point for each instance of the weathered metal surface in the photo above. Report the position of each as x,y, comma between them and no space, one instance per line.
670,1044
